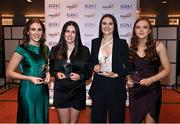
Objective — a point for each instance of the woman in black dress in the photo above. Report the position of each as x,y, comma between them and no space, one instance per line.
70,65
146,56
110,59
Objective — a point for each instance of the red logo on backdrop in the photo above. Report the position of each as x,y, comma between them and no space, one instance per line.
73,6
54,15
125,16
91,15
107,7
55,34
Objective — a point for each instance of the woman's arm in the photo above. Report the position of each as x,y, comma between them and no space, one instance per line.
165,66
13,64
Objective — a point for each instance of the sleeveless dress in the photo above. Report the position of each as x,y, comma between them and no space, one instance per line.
32,99
144,99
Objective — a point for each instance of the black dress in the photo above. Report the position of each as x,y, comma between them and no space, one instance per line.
68,93
144,99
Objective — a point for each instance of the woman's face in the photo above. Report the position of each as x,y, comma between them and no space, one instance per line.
35,32
142,29
70,34
107,26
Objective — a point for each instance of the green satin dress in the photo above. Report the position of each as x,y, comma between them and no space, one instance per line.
32,99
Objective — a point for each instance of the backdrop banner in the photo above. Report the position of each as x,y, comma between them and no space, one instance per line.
87,14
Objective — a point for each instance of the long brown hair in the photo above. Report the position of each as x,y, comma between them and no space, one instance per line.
43,48
150,52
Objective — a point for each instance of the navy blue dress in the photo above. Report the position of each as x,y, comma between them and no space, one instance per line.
144,99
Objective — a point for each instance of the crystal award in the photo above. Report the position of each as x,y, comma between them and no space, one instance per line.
105,64
67,68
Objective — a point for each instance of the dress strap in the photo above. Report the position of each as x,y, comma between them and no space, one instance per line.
106,44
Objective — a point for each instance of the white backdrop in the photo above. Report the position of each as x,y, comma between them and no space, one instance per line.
87,14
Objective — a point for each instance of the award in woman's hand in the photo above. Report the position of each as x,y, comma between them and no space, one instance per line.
136,77
67,68
105,65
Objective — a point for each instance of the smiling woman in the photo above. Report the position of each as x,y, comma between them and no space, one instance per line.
109,56
32,57
146,56
70,65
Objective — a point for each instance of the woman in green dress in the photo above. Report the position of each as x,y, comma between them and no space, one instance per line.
32,58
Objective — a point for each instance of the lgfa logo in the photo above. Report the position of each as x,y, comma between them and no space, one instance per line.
72,15
54,6
90,6
125,25
126,6
54,24
90,25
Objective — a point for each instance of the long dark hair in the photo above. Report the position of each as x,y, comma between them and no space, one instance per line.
115,31
61,48
150,52
43,47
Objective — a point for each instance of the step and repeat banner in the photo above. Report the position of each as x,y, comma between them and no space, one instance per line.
87,13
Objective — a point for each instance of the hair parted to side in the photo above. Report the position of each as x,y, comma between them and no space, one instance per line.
150,52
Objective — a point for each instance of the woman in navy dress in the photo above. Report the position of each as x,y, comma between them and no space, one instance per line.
70,65
146,56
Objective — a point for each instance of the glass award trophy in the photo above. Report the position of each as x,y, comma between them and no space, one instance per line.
67,68
136,76
105,65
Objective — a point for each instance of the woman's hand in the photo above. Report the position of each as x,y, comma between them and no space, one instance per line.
36,80
109,74
60,75
75,76
146,81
